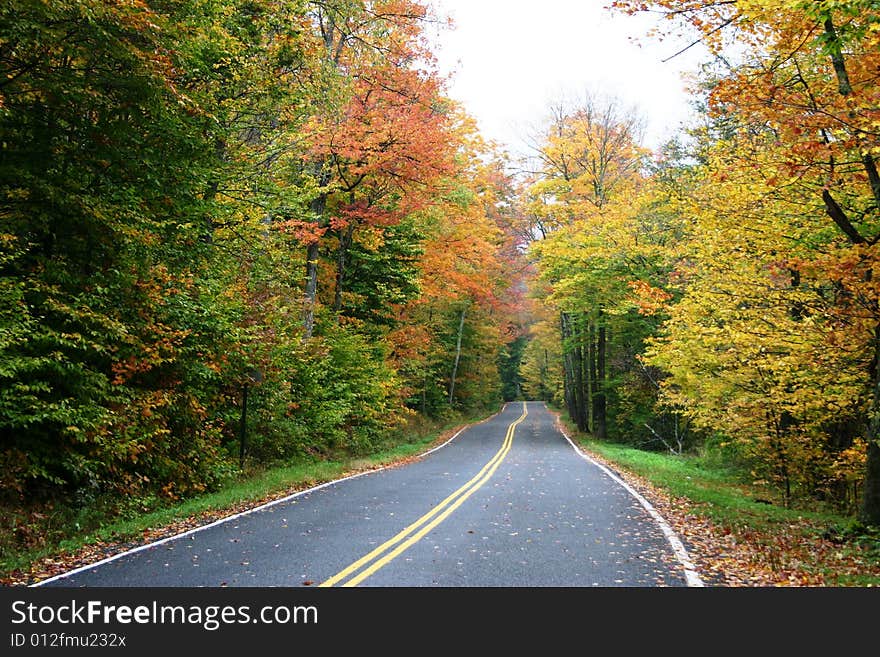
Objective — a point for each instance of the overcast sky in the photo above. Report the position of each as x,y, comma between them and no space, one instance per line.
512,58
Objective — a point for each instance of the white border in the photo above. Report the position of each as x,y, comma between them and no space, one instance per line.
690,572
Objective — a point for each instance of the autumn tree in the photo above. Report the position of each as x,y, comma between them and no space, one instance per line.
376,140
588,161
113,334
800,107
743,345
470,283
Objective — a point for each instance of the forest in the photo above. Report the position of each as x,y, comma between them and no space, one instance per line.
721,294
238,233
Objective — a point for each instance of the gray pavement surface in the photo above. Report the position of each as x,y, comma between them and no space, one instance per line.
545,517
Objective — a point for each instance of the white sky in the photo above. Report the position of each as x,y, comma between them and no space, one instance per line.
511,59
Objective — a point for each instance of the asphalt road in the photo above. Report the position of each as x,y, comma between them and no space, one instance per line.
508,502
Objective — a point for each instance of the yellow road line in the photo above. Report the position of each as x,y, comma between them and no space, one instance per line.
450,503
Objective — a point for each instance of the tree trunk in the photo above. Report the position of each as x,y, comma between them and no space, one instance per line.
567,366
546,390
600,405
578,364
457,356
590,371
311,287
425,394
345,238
311,291
869,513
843,84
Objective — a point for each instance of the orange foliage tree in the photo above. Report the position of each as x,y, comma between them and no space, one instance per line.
376,141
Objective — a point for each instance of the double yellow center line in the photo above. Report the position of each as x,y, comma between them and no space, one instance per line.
393,547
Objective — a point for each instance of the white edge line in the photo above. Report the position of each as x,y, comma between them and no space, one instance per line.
690,572
261,507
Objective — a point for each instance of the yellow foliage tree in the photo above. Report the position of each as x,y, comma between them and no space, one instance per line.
792,201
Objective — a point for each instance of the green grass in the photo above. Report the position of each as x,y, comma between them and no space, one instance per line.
719,492
74,531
